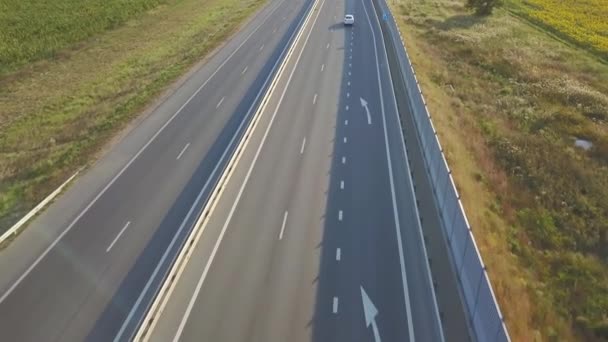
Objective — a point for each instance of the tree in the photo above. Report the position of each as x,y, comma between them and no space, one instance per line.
482,7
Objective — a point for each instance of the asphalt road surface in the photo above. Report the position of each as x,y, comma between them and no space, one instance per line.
80,268
315,237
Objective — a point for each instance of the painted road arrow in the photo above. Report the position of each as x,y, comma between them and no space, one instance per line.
370,311
364,105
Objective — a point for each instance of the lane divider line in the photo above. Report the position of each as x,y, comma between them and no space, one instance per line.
314,99
338,254
182,151
303,145
244,70
335,305
220,103
340,215
118,236
283,225
341,185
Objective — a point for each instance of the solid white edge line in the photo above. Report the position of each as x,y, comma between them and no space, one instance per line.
246,179
405,284
283,225
335,305
118,236
126,166
182,151
303,145
412,191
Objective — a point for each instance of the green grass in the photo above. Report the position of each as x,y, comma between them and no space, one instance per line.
31,30
508,102
57,113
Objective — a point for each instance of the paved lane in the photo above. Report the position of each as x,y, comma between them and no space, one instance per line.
309,216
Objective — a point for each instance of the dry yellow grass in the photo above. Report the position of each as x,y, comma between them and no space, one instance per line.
507,100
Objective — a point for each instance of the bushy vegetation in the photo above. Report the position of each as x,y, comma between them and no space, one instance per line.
517,99
34,29
584,21
57,113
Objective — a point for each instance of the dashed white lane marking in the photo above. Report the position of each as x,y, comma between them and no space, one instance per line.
274,30
345,140
327,47
261,47
338,254
335,306
347,95
314,99
345,122
303,145
349,73
348,83
350,65
342,185
118,236
244,70
350,57
322,67
220,103
182,151
343,160
346,107
340,215
283,225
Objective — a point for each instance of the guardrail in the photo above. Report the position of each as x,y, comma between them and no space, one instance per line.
484,313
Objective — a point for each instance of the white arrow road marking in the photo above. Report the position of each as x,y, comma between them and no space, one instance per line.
364,105
370,312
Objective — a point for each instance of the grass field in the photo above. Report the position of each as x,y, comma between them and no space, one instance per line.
584,22
31,30
509,101
64,96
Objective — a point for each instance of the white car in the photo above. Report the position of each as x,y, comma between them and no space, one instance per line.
349,19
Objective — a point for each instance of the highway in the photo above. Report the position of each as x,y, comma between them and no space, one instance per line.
315,234
82,266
